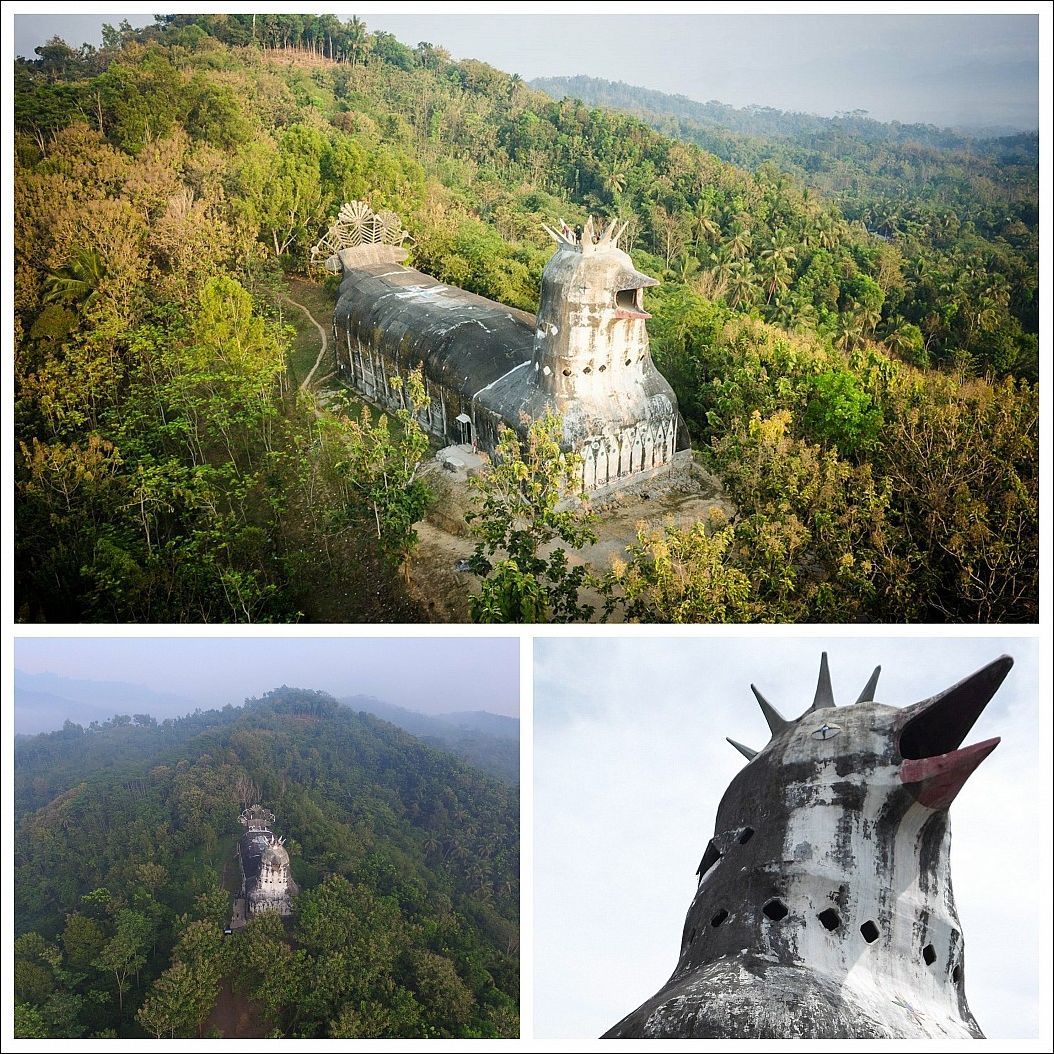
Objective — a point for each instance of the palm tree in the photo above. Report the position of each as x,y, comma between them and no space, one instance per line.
616,182
78,279
826,231
867,316
782,313
847,331
686,268
804,319
356,39
705,227
776,264
742,285
777,276
739,243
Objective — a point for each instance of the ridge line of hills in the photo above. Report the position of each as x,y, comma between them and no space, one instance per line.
489,742
759,119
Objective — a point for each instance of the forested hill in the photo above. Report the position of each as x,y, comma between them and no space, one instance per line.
898,179
489,741
767,122
863,385
407,859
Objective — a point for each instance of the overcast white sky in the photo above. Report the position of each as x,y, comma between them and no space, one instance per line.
942,67
427,674
631,762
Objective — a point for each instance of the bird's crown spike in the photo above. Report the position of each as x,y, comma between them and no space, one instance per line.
744,750
868,694
776,721
824,697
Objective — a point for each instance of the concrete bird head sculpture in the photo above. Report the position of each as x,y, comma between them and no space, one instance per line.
824,907
591,317
591,358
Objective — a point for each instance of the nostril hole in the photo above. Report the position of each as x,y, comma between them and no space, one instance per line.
957,974
830,918
929,953
719,918
869,931
776,910
747,834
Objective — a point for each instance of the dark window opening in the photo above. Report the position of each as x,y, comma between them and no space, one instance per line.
776,910
747,834
567,373
957,974
588,369
929,953
627,299
719,918
830,918
869,931
629,362
710,857
601,369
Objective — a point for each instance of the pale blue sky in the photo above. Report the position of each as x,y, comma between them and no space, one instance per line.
947,69
427,674
630,762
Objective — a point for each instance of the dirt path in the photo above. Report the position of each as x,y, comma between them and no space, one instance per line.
235,1017
444,590
321,332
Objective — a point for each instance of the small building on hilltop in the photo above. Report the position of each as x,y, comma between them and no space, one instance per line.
487,366
267,882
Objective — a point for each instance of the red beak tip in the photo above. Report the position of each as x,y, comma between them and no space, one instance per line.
936,781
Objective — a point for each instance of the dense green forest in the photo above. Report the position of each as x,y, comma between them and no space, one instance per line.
490,742
961,212
407,860
863,385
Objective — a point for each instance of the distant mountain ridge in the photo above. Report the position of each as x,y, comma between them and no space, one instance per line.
489,741
762,121
44,701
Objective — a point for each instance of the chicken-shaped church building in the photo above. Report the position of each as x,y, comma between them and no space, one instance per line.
267,883
486,366
824,907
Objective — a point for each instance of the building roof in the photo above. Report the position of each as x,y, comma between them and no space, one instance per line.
462,340
254,846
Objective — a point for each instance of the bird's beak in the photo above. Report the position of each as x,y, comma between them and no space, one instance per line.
935,767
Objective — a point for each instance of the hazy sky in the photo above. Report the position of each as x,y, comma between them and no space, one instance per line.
630,763
427,674
948,69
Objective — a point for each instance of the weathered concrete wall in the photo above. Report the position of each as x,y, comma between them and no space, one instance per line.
824,907
267,882
586,356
